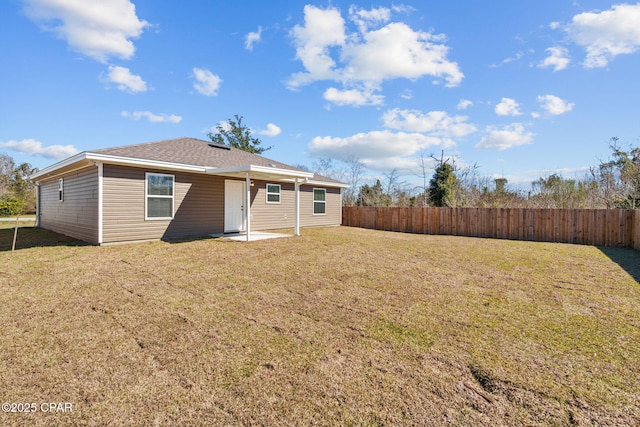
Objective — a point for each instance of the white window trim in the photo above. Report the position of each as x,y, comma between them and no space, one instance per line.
314,201
279,193
61,190
146,197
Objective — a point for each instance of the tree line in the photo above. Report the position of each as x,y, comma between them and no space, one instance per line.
17,191
613,184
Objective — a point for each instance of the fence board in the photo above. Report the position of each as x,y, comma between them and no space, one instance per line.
636,228
599,227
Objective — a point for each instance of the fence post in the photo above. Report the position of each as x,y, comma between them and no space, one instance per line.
636,227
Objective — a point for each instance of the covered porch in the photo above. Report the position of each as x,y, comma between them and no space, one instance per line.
249,173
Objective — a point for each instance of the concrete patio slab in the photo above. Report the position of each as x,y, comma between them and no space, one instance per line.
255,235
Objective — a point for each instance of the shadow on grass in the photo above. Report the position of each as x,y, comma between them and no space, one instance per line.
628,259
188,239
31,237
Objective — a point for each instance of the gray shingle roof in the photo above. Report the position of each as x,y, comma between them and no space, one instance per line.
192,151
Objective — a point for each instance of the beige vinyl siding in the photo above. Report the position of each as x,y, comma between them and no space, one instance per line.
198,206
272,216
333,207
77,214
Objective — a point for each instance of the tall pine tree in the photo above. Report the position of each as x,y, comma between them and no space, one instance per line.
443,186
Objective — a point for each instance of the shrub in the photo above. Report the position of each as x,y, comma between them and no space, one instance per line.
11,205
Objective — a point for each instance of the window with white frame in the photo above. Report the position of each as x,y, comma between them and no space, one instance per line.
273,193
159,196
319,201
61,189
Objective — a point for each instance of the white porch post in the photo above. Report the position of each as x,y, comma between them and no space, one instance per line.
100,201
247,207
296,229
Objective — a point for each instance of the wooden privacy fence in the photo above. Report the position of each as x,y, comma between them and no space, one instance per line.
599,227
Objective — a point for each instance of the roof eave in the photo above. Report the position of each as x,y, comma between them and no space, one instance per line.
116,160
76,158
327,183
255,169
157,164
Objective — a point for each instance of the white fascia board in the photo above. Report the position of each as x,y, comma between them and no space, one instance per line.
118,160
326,184
61,164
285,173
157,164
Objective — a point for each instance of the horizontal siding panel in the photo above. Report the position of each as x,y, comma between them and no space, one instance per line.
333,207
77,214
198,206
272,216
267,216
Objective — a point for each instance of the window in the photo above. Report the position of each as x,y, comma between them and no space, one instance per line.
319,201
159,189
273,193
61,189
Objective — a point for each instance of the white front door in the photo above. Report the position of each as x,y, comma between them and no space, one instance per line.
234,205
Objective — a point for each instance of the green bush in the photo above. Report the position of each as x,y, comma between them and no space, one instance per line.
11,205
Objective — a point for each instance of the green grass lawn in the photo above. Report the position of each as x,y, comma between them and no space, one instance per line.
341,326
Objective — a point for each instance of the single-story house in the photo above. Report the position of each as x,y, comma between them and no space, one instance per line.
179,188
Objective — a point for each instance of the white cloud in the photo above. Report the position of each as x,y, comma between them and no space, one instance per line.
252,38
124,80
96,28
353,97
369,56
397,51
406,94
153,118
518,56
323,29
558,59
402,165
366,18
606,34
271,130
376,145
206,83
464,104
508,107
402,8
554,105
515,58
434,122
507,137
33,147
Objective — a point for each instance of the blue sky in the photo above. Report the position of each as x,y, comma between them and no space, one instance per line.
522,89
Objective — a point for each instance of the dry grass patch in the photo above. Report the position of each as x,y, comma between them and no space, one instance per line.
341,326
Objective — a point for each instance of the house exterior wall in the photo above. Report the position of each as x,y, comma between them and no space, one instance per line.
273,216
77,214
198,206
